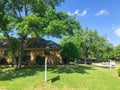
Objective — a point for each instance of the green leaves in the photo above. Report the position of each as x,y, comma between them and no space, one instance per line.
69,51
50,14
27,23
13,45
37,17
90,44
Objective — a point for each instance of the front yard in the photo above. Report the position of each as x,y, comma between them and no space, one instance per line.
65,78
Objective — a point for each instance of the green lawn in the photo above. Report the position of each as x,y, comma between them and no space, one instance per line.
79,78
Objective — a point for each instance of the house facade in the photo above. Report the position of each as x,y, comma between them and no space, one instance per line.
35,47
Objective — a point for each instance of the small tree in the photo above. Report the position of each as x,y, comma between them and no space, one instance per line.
13,47
69,52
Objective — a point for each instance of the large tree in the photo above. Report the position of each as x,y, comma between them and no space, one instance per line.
90,43
34,17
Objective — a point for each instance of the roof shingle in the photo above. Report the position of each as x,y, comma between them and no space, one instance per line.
33,43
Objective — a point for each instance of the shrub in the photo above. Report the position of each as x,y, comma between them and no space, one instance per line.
3,61
69,52
40,60
118,72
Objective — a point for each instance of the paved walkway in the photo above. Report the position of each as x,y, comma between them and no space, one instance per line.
104,65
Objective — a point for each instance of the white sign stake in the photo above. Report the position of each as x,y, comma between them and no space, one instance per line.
46,69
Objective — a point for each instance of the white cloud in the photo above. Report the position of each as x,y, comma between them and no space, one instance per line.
76,13
102,12
117,32
83,13
70,14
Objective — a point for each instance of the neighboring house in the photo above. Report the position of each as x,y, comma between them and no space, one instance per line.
35,47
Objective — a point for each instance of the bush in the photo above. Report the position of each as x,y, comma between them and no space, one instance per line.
69,52
40,60
118,72
3,61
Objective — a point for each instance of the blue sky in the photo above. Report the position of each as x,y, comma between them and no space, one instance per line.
100,15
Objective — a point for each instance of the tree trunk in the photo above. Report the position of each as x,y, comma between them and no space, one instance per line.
15,60
86,57
20,53
85,61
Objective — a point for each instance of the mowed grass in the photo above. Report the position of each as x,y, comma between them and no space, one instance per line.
60,78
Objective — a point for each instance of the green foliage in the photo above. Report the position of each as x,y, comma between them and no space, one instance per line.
13,45
12,48
117,52
90,44
30,25
3,61
36,17
118,72
2,36
69,52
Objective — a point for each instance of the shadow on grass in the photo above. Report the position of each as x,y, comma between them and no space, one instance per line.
69,70
9,73
54,79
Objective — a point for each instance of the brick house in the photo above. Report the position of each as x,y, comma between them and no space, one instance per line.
35,47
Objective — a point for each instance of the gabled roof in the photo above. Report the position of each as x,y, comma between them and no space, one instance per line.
33,43
41,43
